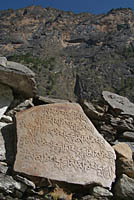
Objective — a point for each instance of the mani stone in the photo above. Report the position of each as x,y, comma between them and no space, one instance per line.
57,141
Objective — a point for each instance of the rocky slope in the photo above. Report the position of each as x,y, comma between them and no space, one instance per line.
54,151
73,55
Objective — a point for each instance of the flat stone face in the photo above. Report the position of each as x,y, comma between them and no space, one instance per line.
18,77
6,97
59,142
3,61
2,143
119,102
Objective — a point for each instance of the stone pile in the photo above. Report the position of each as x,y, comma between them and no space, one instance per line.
113,116
54,151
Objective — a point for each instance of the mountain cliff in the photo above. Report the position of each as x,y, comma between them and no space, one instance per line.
74,56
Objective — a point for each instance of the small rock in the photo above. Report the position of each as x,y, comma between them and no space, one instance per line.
125,166
3,61
128,135
124,188
6,97
9,185
6,119
18,106
122,140
90,197
101,192
3,167
25,181
91,111
123,150
2,143
119,103
59,193
122,123
40,100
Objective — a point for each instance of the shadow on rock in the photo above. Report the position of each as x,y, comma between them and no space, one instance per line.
9,136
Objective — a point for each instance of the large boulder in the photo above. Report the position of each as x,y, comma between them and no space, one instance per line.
59,142
18,77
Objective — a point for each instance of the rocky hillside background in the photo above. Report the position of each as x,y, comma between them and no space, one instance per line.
73,55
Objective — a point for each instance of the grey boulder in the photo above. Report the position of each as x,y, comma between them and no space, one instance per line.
124,188
119,103
18,77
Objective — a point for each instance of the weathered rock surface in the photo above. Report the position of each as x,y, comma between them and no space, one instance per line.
128,135
124,188
19,105
119,103
6,119
18,77
59,142
123,150
47,100
3,167
7,143
125,166
6,97
25,181
101,192
9,185
2,143
122,123
3,61
91,111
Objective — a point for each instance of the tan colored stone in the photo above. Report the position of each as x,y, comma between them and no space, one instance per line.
123,150
59,142
125,166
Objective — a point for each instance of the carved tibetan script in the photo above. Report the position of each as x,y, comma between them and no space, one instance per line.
59,142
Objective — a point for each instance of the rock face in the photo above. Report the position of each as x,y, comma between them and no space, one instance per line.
8,184
6,97
7,149
60,46
59,142
18,77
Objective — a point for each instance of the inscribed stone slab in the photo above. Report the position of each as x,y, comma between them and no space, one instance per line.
59,142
